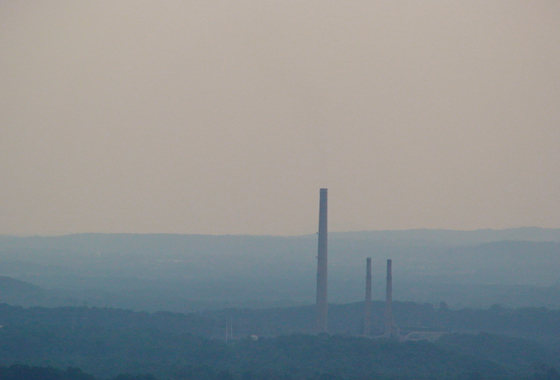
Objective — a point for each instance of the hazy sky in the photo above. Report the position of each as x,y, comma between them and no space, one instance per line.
226,117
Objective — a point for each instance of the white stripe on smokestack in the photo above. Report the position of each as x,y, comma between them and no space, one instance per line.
321,305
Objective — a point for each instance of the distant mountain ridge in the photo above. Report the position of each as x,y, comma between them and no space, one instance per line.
516,267
12,285
117,241
456,237
19,292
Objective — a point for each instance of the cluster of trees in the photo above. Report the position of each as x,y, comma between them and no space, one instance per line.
533,323
108,342
323,357
26,372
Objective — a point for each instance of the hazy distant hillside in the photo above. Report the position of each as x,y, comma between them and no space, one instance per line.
188,272
18,292
453,237
147,242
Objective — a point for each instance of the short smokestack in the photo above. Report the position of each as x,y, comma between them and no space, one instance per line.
367,304
389,323
321,305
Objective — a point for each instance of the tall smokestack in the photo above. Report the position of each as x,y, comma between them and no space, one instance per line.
367,304
389,324
321,305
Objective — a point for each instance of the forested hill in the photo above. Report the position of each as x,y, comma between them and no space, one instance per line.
106,342
305,357
532,323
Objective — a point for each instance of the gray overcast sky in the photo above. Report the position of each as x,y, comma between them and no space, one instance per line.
226,117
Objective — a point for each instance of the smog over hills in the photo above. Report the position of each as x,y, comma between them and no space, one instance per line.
279,190
194,272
